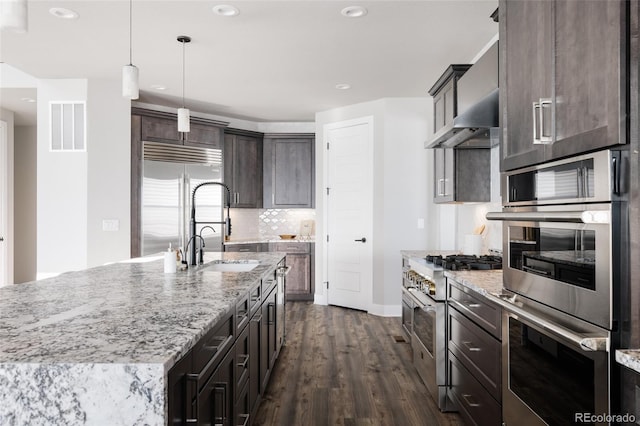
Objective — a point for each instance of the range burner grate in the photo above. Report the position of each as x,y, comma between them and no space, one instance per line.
462,262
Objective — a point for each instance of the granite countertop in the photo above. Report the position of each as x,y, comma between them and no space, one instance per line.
487,283
630,358
270,240
95,346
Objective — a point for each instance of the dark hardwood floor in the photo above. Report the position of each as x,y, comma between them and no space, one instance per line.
345,367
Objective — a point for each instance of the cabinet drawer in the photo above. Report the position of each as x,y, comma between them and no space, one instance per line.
243,361
291,247
476,406
479,309
244,248
243,307
477,350
255,299
213,346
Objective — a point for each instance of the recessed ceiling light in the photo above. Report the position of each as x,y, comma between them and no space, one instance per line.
62,13
343,86
30,100
226,10
158,87
354,12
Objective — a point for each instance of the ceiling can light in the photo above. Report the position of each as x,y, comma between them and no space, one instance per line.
354,12
226,10
343,86
13,15
62,13
183,113
130,74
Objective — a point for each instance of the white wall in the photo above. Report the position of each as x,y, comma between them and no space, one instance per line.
77,190
7,117
62,188
25,185
108,172
401,176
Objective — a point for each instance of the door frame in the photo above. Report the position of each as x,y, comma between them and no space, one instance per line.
369,121
6,169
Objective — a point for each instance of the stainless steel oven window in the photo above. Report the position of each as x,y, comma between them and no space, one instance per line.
424,321
551,378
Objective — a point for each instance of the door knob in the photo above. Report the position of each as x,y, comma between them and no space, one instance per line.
362,240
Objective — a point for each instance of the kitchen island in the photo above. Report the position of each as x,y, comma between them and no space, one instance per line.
95,346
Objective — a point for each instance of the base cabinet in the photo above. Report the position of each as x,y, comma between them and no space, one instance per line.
222,378
475,355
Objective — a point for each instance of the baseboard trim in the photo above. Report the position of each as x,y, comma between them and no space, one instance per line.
386,310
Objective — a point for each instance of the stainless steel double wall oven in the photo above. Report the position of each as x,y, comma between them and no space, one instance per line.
564,246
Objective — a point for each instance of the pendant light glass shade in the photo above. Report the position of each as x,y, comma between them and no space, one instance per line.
130,86
13,15
184,120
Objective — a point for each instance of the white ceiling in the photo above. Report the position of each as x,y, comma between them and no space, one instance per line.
276,61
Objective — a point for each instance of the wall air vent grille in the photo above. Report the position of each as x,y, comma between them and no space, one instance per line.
181,154
68,126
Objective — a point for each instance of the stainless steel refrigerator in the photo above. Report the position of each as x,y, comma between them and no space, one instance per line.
170,172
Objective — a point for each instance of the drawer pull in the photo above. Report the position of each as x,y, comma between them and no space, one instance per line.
472,348
243,364
473,305
469,400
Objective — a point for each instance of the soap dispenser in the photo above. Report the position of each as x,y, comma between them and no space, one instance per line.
170,261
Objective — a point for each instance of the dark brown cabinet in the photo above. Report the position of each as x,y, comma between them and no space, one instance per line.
445,106
475,355
221,380
247,247
243,168
462,175
157,126
289,171
562,73
300,279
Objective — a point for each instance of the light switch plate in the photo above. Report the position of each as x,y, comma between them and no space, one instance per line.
110,225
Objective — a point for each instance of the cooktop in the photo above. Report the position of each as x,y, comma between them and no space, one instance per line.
461,262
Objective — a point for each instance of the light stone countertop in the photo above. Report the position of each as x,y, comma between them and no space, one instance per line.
95,346
269,240
487,283
630,358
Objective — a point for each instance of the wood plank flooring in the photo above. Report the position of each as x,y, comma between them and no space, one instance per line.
344,367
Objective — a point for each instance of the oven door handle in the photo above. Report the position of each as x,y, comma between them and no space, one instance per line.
587,343
595,216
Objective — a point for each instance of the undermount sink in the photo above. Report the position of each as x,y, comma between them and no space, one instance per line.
233,265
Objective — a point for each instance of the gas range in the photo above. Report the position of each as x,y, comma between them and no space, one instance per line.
425,277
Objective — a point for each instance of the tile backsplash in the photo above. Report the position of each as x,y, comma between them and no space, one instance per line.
269,223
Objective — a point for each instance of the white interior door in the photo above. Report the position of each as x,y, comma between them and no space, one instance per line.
350,213
4,202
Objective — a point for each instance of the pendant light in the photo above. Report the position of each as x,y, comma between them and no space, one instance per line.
183,113
13,15
130,85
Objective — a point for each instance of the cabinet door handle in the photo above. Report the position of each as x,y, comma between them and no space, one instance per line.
441,187
191,398
220,395
243,364
544,138
471,347
469,400
361,240
536,123
270,319
246,419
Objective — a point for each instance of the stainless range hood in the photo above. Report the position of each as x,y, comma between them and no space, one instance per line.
478,105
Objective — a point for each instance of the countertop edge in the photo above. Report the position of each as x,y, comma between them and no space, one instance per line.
629,358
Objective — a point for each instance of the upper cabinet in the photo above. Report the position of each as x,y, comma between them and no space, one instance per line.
158,126
243,168
445,99
289,171
562,79
462,175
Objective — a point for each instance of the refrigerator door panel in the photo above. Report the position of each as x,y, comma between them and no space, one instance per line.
161,206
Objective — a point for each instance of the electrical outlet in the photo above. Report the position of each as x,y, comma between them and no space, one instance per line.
420,223
110,225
